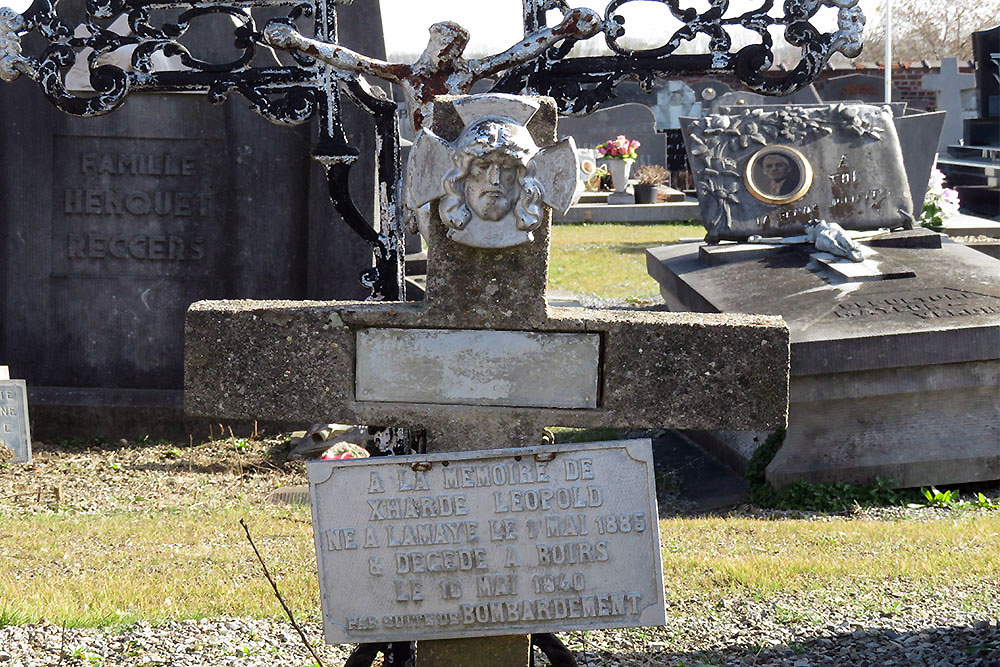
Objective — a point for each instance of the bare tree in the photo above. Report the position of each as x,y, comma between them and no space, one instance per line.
928,29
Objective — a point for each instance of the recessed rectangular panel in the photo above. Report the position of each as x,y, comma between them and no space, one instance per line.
498,542
469,367
136,207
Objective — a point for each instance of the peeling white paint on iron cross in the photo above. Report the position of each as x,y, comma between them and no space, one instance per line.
491,183
498,542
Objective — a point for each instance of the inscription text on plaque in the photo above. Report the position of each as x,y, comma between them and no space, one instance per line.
494,542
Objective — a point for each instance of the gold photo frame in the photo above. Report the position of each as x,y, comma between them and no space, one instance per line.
778,175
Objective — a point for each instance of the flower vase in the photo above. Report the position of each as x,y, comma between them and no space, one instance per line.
619,170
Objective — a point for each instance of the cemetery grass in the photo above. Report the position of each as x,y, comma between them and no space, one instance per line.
95,535
609,260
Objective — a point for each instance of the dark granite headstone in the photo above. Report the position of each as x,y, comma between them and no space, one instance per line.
896,378
15,433
676,153
110,227
986,51
919,134
635,121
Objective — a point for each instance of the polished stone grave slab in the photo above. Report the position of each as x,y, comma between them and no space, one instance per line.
894,378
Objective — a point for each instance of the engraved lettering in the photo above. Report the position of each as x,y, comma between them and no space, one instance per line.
496,585
572,497
577,469
443,560
411,480
577,606
406,591
422,534
77,246
339,539
137,203
922,306
74,201
361,623
182,205
419,507
571,553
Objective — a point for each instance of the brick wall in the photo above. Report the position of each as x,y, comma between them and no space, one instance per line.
906,80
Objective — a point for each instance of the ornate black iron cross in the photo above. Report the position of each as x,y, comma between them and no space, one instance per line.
46,40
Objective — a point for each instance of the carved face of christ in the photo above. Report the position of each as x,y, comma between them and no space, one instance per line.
491,185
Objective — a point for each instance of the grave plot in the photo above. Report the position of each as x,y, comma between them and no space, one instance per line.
895,332
483,363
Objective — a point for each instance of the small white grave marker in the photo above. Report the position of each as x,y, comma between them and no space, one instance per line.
14,428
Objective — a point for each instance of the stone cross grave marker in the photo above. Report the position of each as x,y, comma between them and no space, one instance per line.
956,93
15,434
482,362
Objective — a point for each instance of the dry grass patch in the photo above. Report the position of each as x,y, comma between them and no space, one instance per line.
96,570
715,557
87,570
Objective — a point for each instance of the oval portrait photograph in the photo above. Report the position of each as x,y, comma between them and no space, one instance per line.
778,174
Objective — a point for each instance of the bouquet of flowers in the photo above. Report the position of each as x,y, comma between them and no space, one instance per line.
940,203
619,148
344,450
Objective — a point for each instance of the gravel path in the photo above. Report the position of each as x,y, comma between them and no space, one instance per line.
741,632
947,626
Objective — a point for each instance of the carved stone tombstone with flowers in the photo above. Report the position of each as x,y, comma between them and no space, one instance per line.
483,363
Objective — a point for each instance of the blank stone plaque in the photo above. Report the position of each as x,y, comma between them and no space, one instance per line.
466,367
496,542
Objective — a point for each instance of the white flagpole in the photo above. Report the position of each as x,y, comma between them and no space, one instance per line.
888,51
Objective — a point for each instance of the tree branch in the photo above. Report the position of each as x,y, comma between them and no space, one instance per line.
277,594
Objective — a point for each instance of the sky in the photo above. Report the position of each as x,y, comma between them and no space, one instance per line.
496,24
405,22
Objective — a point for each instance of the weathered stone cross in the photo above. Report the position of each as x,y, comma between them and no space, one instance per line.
483,362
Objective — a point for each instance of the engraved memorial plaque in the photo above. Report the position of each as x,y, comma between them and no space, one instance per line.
949,304
767,171
14,430
495,542
137,207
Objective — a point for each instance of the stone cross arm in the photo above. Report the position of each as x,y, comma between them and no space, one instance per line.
396,365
